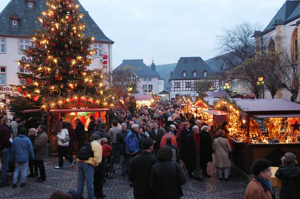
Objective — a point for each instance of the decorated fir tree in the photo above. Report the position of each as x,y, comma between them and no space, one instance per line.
57,62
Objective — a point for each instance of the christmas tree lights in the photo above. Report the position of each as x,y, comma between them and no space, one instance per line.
57,62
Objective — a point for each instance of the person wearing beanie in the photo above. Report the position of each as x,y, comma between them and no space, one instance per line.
260,186
289,174
101,132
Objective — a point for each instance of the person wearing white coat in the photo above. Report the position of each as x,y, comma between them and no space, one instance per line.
63,145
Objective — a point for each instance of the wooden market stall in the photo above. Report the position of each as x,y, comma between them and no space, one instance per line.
265,129
69,115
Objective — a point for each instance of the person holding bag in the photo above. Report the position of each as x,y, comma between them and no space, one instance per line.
63,145
222,149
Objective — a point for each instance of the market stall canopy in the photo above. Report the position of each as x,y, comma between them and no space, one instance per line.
218,94
269,107
78,110
139,97
217,112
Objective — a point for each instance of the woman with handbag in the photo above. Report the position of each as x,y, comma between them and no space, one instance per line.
222,149
63,145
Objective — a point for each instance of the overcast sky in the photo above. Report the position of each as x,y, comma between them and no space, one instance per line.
165,30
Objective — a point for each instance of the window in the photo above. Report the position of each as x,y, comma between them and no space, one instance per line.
150,88
144,88
2,75
194,73
295,50
23,70
140,68
30,4
133,78
14,22
2,45
177,84
145,79
205,73
149,79
99,49
184,74
23,45
188,84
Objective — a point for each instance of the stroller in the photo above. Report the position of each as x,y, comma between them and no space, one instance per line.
108,158
109,167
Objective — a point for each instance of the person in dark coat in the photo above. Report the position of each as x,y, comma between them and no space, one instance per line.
289,174
79,130
206,149
124,161
156,134
192,144
91,125
182,147
140,171
73,139
102,132
166,176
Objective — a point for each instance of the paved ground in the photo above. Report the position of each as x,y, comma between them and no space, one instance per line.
118,188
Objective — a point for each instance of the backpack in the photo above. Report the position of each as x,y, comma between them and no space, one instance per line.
85,152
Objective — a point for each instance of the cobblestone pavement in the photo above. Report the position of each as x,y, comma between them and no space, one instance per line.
118,187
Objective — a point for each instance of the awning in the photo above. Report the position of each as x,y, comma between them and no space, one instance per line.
216,112
32,111
277,116
78,110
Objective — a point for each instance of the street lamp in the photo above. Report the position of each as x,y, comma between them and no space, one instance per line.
226,87
260,83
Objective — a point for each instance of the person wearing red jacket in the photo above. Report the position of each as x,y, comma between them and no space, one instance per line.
106,148
167,133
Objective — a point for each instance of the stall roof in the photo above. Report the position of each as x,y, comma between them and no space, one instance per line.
268,106
140,97
277,115
78,110
216,112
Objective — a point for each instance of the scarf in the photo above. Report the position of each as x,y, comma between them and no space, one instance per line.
265,183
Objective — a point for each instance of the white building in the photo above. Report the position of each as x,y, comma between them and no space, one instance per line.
283,34
17,22
188,72
147,77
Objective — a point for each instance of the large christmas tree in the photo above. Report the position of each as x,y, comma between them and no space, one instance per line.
57,62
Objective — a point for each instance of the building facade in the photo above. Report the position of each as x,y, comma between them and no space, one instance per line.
282,34
188,72
18,20
147,77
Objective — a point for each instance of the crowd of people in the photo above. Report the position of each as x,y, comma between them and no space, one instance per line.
157,148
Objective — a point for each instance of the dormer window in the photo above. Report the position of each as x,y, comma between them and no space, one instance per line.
184,74
205,73
140,68
30,3
15,20
194,73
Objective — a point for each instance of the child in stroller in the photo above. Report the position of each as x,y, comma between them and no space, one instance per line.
107,158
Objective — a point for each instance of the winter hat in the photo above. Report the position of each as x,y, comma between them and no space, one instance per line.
173,126
259,166
104,140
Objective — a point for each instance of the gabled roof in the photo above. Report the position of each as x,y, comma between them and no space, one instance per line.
138,67
191,64
287,13
29,20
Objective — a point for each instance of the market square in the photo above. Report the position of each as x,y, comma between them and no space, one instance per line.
84,114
